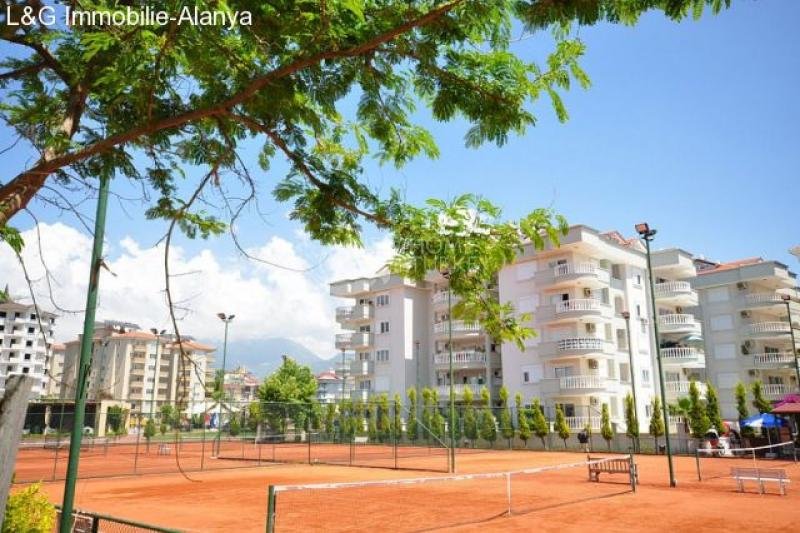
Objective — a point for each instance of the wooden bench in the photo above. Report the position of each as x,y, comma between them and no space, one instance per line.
617,465
360,440
762,475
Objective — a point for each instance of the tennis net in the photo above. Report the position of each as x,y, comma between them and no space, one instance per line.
715,463
421,503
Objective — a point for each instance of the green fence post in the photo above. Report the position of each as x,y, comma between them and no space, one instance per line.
697,463
271,509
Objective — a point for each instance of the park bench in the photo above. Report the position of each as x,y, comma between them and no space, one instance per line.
762,475
360,440
621,465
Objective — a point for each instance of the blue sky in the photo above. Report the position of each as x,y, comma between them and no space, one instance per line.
692,127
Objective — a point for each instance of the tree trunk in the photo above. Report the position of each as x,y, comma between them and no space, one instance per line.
17,193
13,407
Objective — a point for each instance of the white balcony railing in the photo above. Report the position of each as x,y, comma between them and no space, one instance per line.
461,358
763,298
577,423
440,298
760,328
774,391
682,387
356,312
673,288
349,341
767,360
580,269
580,344
677,322
582,382
678,355
459,326
569,306
458,390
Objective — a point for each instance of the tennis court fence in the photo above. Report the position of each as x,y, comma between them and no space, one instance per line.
716,463
88,522
422,503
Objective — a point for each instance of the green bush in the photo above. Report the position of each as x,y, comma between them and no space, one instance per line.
29,510
234,427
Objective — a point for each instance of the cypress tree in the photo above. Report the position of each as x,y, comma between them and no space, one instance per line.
470,420
488,421
605,426
506,425
541,427
561,425
712,409
656,422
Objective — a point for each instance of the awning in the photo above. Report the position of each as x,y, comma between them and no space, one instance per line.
764,420
787,408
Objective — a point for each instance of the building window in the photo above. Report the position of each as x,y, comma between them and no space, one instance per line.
648,410
526,377
646,375
25,369
27,357
31,330
28,343
384,327
638,279
382,300
382,356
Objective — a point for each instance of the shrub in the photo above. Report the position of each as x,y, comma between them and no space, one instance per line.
605,426
30,511
561,426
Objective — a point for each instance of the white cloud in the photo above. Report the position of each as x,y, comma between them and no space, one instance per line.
267,301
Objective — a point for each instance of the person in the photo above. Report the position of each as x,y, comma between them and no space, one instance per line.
583,438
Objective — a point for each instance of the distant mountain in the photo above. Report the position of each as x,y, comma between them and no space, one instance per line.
263,356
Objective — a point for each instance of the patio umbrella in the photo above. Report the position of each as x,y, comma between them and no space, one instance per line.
763,420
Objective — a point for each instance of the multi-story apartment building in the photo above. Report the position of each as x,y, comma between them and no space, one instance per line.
55,370
23,348
139,367
329,387
577,294
747,331
241,385
388,333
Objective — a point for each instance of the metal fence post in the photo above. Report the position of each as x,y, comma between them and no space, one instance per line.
138,436
271,509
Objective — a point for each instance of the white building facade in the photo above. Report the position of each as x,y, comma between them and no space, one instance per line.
24,347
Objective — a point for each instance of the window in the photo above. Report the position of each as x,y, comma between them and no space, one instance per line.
526,377
27,357
33,317
531,373
638,311
646,376
590,327
25,369
31,330
384,327
725,351
28,343
382,300
721,322
616,271
562,371
382,356
648,410
2,314
718,294
526,271
638,279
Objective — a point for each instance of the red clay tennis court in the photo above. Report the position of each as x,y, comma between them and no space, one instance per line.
236,500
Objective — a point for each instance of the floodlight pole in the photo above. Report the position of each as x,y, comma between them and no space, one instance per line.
647,235
788,301
85,361
450,372
227,320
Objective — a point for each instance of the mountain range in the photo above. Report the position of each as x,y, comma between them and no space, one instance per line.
263,356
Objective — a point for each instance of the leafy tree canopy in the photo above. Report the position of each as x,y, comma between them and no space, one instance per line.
290,383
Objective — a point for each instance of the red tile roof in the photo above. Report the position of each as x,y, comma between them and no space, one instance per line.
730,265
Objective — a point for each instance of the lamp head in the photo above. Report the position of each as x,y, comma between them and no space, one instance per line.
154,331
230,317
221,316
786,298
643,229
626,315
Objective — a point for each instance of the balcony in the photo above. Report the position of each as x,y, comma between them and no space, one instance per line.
676,293
353,341
458,389
681,388
767,329
460,328
577,423
359,395
774,360
353,314
678,323
773,391
682,356
362,368
570,310
581,274
580,383
349,288
440,299
463,359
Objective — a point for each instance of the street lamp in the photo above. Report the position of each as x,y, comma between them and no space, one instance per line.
158,335
227,320
647,234
416,385
446,274
627,316
788,301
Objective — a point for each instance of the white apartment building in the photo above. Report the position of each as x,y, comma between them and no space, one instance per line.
241,385
329,387
23,350
577,294
747,335
388,335
139,367
55,370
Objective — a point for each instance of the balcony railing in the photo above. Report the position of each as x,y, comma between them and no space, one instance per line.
356,312
774,391
682,387
459,326
362,368
458,389
580,269
767,360
761,328
569,306
582,382
668,289
762,298
580,344
577,423
679,355
440,298
348,341
463,358
677,322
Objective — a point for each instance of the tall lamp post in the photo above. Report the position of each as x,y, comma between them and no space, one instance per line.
647,234
416,385
627,316
446,274
158,335
788,301
227,320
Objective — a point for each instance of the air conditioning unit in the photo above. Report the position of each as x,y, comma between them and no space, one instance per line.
752,373
741,285
594,400
748,344
593,364
745,314
679,310
587,293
